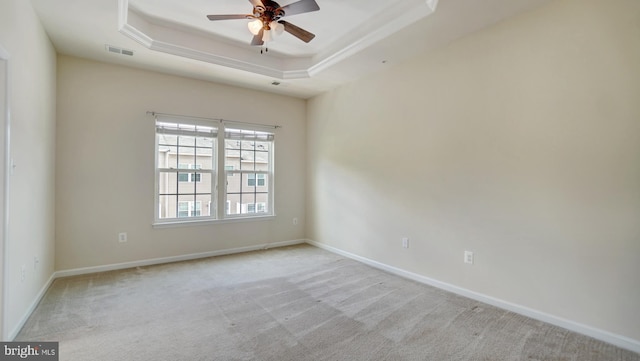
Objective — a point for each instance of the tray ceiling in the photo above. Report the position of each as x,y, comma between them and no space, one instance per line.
353,38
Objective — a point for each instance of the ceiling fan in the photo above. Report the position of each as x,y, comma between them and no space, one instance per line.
266,19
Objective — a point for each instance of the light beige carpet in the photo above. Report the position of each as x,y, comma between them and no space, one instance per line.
293,303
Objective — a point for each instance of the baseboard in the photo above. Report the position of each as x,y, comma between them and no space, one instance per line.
605,336
13,333
112,267
187,257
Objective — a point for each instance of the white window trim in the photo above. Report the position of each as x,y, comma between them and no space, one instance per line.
219,194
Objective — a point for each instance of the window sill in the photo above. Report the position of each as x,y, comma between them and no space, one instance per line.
206,222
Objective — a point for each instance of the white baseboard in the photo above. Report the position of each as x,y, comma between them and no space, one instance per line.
187,257
14,332
605,336
112,267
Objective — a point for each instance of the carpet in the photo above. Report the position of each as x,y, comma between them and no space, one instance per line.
292,303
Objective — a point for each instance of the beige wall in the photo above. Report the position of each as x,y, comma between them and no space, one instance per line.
520,143
32,67
105,163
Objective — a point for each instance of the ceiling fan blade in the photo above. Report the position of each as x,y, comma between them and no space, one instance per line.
299,7
256,3
257,40
297,31
228,17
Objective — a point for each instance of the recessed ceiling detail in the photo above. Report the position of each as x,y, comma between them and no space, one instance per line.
191,36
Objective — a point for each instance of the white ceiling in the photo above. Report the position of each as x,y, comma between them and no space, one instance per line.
353,38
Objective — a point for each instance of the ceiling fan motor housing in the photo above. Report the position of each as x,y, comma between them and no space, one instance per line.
271,11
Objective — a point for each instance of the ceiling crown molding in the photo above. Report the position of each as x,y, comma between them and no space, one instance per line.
177,39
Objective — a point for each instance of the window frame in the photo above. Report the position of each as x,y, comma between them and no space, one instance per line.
269,175
219,203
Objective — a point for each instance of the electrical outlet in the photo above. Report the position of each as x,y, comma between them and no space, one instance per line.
405,242
23,273
468,257
295,221
36,260
122,237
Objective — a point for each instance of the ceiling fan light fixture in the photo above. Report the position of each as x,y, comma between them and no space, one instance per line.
265,23
277,28
266,36
255,26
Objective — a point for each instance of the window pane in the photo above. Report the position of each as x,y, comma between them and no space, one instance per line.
249,184
233,183
263,146
183,209
232,153
206,203
261,158
204,182
167,139
186,141
263,198
188,186
204,158
186,206
167,207
248,203
246,160
233,203
167,157
167,183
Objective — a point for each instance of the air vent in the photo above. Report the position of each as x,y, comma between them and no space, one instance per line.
275,82
116,50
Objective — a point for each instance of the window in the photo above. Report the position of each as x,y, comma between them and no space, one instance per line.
252,208
181,147
251,179
188,184
189,209
248,157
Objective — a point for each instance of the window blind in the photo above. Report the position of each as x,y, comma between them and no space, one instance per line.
244,134
184,126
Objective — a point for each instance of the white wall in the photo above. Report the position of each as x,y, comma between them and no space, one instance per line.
105,163
520,143
32,66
